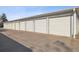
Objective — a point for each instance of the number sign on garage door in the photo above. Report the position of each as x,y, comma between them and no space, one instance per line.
59,26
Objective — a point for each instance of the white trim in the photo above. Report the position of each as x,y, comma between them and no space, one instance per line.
74,22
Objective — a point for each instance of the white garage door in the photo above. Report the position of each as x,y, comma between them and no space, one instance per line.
5,26
40,26
17,25
60,26
22,25
9,26
30,26
13,25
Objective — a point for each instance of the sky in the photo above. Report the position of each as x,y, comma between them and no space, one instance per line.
16,12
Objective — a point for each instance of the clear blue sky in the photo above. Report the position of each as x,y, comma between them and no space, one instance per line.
15,12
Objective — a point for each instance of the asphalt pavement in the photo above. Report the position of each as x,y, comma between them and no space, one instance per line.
9,45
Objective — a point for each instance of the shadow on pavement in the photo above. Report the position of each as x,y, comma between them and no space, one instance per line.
9,45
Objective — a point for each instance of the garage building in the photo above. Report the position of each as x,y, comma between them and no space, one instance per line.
62,23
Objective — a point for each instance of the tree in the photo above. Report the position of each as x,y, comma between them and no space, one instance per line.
3,17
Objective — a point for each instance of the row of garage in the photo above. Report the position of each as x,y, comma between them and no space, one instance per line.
44,25
63,23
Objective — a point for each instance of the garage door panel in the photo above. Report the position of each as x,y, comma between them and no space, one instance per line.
5,25
30,26
60,26
40,26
